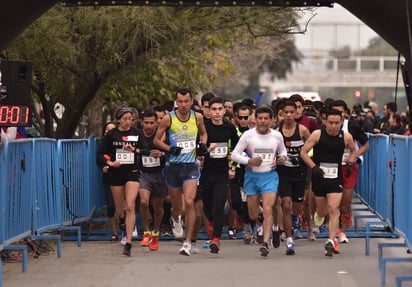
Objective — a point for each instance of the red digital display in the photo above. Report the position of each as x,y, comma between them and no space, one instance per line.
15,115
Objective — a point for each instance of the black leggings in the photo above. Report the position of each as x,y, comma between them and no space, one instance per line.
214,189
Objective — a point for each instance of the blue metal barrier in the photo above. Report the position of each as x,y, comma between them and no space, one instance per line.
16,188
47,216
402,197
74,168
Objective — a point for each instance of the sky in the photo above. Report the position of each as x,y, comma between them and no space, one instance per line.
333,28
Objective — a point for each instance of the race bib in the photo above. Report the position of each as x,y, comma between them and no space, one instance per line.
330,170
150,161
220,151
124,156
187,146
266,154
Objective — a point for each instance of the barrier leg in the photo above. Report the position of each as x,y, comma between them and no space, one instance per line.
367,234
51,237
23,248
400,279
74,228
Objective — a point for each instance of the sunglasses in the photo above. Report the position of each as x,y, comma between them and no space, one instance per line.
243,117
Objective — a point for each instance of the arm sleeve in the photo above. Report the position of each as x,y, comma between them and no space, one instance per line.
237,154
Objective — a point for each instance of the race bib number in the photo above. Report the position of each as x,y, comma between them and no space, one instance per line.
150,161
330,170
220,151
266,154
187,146
124,156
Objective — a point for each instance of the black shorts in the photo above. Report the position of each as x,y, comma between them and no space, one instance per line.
323,187
294,189
120,179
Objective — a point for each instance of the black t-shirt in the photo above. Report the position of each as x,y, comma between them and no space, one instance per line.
225,137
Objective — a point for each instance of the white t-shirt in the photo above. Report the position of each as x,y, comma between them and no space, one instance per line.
267,147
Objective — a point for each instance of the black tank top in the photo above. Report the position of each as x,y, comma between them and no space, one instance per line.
327,154
294,167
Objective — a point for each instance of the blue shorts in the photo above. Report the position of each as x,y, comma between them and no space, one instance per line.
257,183
178,173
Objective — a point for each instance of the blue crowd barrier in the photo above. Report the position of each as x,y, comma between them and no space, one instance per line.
52,185
45,214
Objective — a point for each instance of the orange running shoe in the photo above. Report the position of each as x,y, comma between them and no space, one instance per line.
335,246
154,243
146,239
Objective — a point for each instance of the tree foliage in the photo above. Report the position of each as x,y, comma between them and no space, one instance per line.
130,54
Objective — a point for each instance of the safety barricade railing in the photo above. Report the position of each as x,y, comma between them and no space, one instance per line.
47,214
16,194
96,182
74,166
373,186
384,185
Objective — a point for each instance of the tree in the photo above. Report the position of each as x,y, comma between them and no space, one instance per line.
117,54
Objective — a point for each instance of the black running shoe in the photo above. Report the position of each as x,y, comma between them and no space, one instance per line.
127,249
276,238
264,249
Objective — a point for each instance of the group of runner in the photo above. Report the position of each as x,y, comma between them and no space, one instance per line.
204,157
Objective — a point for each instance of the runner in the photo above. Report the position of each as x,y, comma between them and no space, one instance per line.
182,127
328,145
264,151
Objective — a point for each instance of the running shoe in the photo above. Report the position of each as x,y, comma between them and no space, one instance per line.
146,239
122,224
215,245
185,250
276,238
297,234
247,237
124,239
259,234
114,238
194,249
264,249
329,248
311,235
290,248
336,249
342,237
154,242
318,220
231,232
177,227
127,249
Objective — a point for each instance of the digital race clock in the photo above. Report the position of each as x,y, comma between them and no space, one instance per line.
15,115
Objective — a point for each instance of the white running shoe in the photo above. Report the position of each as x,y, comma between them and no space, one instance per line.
177,227
185,250
342,238
194,249
123,241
